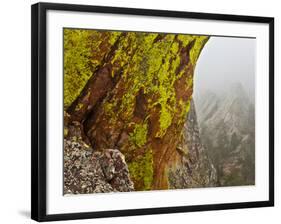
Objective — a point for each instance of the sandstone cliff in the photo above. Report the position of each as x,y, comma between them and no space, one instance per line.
132,91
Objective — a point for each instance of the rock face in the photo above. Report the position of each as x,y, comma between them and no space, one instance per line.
91,171
227,129
195,169
133,94
88,171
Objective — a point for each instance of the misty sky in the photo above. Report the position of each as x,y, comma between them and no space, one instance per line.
226,60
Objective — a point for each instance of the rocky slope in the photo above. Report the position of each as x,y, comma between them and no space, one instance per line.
195,169
91,171
88,171
227,129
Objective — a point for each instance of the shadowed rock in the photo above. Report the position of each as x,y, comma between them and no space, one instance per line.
195,169
88,171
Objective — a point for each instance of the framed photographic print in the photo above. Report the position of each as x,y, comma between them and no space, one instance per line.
139,111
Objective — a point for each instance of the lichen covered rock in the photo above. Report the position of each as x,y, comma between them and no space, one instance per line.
195,168
137,97
88,171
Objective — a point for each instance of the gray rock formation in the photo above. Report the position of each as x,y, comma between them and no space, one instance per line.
227,127
88,171
196,169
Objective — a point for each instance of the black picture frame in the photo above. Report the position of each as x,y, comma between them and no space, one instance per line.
38,108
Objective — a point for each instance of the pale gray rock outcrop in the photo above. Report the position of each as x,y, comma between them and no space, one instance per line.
87,171
196,169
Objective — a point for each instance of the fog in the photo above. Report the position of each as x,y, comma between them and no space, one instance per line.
223,61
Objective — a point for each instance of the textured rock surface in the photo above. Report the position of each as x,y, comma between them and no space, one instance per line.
227,125
195,169
88,171
134,94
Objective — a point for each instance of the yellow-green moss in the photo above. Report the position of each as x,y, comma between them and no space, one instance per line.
80,49
141,170
165,121
113,37
65,132
189,83
186,39
150,68
77,68
108,108
122,54
79,106
152,61
139,135
184,108
195,52
166,112
166,77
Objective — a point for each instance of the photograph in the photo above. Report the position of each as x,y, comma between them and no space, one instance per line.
140,111
145,111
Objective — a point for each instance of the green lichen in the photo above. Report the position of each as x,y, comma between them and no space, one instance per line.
184,109
77,68
196,50
167,77
135,74
166,113
186,39
165,121
175,48
79,106
113,37
156,73
65,132
108,108
122,54
141,170
139,135
82,55
149,68
166,91
189,83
